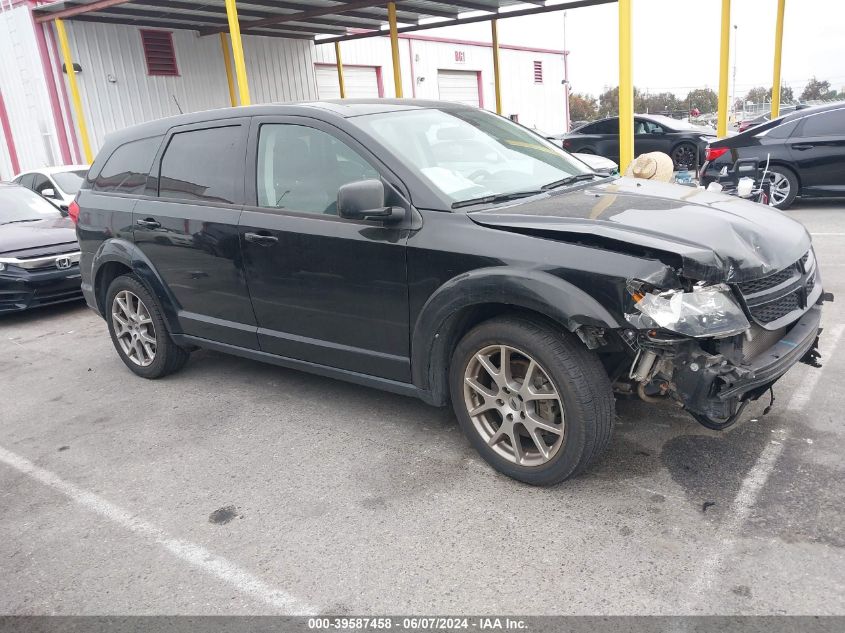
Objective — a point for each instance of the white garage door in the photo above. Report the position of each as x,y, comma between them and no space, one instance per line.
361,82
460,86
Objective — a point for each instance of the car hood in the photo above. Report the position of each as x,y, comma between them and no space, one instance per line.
38,235
710,236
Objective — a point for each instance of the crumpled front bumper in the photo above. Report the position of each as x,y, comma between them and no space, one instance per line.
713,386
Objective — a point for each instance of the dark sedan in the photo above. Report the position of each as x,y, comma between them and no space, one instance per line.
805,151
39,254
684,142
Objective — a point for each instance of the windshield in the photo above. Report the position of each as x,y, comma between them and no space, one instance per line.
469,154
70,181
18,204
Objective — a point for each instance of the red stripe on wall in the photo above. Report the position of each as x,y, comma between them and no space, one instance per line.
10,140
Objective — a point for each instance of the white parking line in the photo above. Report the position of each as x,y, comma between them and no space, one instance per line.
191,553
754,481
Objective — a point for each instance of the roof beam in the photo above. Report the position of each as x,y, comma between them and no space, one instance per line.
469,6
410,14
299,16
77,10
475,18
181,26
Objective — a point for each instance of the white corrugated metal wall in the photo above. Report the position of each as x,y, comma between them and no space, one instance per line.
117,92
25,94
542,106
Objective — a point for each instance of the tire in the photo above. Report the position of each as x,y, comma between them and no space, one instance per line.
561,365
684,155
784,181
127,295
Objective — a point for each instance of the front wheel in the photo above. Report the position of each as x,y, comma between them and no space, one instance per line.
684,156
535,403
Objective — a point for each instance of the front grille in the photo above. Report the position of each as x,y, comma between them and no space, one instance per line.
781,293
768,312
767,283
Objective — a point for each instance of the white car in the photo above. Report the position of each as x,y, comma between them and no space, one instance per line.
58,184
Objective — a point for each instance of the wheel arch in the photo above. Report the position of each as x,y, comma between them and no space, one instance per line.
777,162
475,297
117,257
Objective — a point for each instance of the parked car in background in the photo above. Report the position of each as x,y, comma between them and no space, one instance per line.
805,151
684,142
57,184
598,164
440,251
747,124
39,254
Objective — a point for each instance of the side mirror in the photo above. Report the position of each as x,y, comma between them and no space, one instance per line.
48,193
364,200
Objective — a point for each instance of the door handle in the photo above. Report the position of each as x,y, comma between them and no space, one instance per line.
802,146
260,239
149,223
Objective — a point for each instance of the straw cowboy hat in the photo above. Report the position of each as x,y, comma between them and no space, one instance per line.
652,166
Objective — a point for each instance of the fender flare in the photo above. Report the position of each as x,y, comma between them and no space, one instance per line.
435,329
125,252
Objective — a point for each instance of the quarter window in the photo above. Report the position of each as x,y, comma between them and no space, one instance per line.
301,168
203,165
127,168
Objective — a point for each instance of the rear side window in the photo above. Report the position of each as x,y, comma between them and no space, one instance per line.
203,165
825,124
127,168
783,130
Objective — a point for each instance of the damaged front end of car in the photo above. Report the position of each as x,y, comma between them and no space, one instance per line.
715,347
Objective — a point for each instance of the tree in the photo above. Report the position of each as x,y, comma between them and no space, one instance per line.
705,99
786,95
657,102
582,107
758,95
609,102
816,89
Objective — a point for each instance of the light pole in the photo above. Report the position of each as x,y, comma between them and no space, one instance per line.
566,85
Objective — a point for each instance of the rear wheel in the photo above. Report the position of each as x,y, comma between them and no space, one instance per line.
535,403
138,331
784,187
684,156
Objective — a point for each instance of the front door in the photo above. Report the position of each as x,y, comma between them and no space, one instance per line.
187,228
324,289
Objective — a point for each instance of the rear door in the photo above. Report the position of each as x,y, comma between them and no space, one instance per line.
818,148
326,290
187,227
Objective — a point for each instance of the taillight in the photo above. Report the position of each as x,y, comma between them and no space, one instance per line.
567,143
73,212
712,153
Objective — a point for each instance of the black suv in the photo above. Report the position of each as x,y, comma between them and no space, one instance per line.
441,251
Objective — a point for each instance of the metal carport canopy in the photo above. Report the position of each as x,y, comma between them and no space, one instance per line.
321,20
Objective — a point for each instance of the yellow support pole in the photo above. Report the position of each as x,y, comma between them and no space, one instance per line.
722,125
626,88
339,70
778,49
238,51
74,91
494,25
394,48
227,62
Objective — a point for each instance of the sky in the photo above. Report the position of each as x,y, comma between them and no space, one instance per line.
676,43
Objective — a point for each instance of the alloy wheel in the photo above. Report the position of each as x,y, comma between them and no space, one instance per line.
684,156
780,188
514,405
133,328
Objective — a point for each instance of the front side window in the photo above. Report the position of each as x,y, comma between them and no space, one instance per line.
203,165
467,154
301,168
127,168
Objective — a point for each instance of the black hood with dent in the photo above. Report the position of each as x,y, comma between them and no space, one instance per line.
30,238
716,237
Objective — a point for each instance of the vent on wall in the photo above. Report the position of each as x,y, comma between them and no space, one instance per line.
159,53
538,72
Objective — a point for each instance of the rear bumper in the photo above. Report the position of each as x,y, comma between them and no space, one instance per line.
24,289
